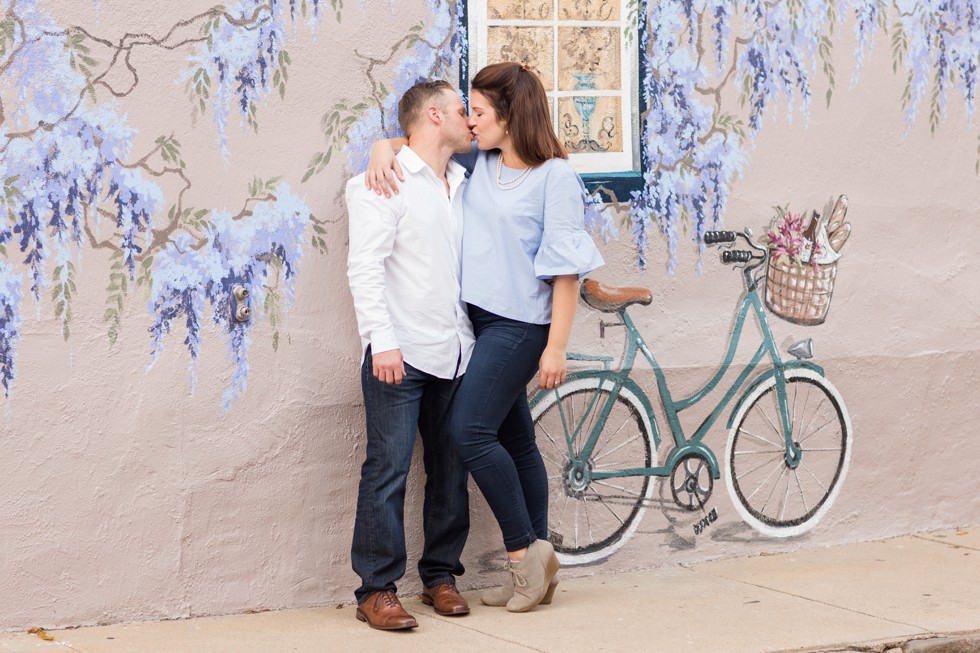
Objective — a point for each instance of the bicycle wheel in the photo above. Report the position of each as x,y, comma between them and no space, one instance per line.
771,496
590,519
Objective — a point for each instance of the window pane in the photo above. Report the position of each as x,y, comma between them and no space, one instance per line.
520,9
589,51
588,9
587,68
533,46
590,124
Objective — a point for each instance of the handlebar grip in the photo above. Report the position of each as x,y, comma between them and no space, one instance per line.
736,256
713,237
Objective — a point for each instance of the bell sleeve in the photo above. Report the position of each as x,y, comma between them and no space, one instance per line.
566,248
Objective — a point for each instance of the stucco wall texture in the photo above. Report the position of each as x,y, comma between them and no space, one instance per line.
124,496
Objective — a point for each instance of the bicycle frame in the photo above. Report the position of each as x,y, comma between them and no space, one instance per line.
619,378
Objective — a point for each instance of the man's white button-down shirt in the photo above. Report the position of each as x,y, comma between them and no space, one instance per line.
404,268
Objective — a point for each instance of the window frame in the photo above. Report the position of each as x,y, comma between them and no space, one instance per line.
611,186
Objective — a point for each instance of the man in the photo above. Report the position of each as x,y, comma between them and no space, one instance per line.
404,269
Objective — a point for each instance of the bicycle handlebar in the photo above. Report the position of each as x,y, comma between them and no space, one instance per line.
736,256
714,237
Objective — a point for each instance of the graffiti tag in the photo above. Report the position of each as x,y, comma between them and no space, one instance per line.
706,521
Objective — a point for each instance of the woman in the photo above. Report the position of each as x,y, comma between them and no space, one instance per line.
524,248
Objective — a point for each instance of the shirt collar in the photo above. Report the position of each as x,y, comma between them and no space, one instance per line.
414,164
412,161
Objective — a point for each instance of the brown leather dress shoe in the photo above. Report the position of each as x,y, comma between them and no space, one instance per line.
446,600
383,610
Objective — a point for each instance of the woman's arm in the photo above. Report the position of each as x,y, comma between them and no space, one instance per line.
383,167
552,368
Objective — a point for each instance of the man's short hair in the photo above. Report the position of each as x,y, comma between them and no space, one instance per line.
415,101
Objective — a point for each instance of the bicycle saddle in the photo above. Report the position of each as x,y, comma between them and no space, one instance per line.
611,300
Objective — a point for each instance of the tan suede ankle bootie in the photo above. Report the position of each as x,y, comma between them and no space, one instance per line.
532,576
498,597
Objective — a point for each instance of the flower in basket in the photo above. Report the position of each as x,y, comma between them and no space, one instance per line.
786,239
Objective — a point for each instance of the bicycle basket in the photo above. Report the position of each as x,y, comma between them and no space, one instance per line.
800,293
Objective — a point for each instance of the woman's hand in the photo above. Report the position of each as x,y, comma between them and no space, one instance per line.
552,368
383,167
553,365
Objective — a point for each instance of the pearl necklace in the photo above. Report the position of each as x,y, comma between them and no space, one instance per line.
510,184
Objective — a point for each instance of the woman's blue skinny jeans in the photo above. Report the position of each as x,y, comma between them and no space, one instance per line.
492,429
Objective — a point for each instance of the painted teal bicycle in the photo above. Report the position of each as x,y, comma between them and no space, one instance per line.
789,434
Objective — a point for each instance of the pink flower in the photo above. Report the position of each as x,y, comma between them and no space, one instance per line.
785,238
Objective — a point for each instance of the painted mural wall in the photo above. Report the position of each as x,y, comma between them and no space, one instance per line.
182,427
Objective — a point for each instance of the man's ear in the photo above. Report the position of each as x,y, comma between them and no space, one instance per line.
434,114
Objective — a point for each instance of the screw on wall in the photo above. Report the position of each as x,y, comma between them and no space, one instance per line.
240,310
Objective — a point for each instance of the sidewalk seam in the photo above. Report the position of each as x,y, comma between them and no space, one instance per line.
813,600
944,542
457,623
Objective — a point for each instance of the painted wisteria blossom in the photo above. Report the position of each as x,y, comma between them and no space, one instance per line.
71,180
236,252
694,146
241,60
432,49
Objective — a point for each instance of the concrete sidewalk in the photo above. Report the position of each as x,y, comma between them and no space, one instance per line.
872,596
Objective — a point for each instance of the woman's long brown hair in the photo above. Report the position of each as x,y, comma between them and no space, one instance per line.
519,100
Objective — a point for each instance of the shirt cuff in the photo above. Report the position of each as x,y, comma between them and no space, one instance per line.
383,340
573,254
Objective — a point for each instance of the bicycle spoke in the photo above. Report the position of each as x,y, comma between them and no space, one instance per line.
819,449
548,435
757,437
796,395
764,463
588,524
596,459
557,463
558,521
762,410
558,495
817,411
749,453
615,487
564,422
593,411
806,400
832,420
573,434
766,479
822,486
782,511
615,433
611,511
796,475
773,491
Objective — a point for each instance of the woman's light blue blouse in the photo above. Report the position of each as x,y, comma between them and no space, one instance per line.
515,241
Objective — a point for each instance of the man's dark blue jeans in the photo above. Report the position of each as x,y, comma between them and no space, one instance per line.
394,412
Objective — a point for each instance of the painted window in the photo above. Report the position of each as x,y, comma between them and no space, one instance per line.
587,62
